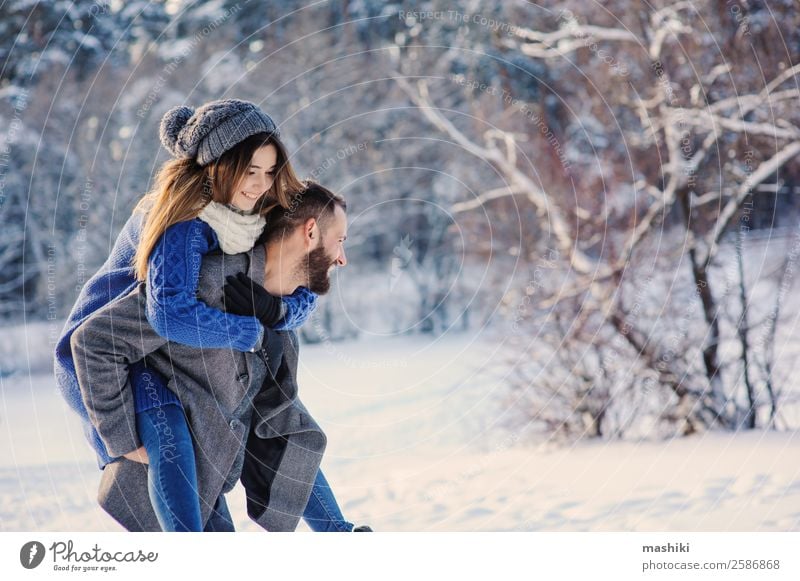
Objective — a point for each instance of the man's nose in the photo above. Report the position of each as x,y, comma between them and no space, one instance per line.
342,259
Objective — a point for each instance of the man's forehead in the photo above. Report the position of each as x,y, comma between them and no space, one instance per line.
340,219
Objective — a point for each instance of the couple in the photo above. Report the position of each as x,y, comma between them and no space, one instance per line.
180,354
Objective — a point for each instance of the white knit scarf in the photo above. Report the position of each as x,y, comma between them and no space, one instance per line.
236,232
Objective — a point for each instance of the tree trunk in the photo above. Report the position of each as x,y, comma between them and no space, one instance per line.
710,312
741,328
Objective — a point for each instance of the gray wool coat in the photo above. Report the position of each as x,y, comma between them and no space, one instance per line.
242,408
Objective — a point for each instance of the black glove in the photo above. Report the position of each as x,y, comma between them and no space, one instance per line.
243,296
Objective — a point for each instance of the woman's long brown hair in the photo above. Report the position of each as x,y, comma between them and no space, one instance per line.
183,188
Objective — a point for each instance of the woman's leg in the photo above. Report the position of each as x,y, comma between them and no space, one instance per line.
172,472
322,513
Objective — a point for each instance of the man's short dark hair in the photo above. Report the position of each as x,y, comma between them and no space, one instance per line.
314,201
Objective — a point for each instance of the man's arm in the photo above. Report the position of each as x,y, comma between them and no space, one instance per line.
103,347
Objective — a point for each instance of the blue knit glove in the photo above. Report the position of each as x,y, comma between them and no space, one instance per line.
299,305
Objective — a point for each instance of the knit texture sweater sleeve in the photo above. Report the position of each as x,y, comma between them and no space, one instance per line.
173,309
298,307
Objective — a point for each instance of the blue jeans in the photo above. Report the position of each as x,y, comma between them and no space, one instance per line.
219,521
172,472
172,480
322,513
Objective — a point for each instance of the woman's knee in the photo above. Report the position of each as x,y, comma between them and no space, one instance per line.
163,432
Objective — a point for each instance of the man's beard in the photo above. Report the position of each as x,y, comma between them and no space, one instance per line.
315,270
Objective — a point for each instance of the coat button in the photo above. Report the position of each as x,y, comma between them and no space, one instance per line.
233,424
244,378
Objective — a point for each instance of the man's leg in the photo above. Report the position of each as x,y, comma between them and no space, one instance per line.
322,513
220,520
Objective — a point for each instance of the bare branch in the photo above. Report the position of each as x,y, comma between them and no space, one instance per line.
747,103
762,172
494,194
572,30
697,117
516,179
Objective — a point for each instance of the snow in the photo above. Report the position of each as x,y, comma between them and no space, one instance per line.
414,444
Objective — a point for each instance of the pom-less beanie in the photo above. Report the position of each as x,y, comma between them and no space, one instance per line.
212,129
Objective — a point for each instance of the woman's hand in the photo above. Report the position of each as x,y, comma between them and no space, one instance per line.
138,455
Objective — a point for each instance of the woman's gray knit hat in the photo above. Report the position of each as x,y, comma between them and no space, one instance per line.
212,129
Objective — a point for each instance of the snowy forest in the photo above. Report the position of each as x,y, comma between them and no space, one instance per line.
604,192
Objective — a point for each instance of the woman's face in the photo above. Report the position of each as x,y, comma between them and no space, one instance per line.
257,180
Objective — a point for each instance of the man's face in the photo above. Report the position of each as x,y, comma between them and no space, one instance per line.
317,265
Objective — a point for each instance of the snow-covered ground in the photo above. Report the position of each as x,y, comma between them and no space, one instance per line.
414,445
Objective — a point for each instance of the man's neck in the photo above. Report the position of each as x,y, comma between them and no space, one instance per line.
279,271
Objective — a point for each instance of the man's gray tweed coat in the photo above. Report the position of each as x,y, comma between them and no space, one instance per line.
229,397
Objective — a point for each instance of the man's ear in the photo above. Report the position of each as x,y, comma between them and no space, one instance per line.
311,233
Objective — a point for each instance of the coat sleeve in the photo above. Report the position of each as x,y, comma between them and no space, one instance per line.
173,308
103,348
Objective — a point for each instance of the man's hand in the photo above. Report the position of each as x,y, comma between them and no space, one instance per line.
138,455
243,296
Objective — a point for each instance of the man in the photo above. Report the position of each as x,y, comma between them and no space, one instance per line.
230,398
